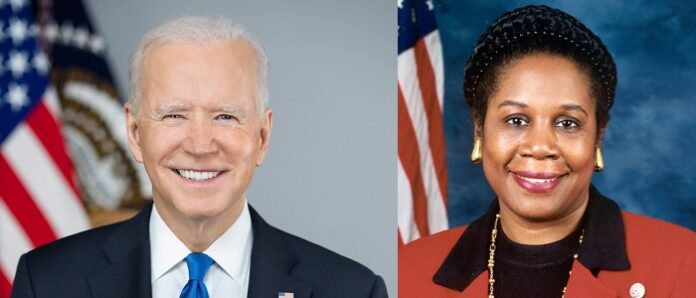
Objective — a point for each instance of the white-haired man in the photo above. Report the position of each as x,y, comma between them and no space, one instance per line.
198,119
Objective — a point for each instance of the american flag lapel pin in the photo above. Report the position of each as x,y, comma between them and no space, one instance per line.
285,295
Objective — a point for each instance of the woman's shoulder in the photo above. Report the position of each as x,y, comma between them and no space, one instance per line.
420,260
663,251
657,232
435,245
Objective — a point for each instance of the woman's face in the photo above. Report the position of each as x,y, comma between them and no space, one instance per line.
539,136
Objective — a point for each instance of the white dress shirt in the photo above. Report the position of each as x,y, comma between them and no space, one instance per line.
227,277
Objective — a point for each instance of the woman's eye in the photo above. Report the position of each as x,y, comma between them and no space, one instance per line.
567,124
517,121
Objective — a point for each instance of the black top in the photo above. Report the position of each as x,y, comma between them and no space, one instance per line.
603,247
533,270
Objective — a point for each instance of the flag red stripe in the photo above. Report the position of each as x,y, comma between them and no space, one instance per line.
5,285
410,159
20,203
426,79
47,130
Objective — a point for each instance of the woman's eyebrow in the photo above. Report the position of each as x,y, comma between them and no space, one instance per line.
512,103
574,107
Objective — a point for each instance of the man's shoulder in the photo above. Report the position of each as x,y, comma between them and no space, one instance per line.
318,259
74,249
327,273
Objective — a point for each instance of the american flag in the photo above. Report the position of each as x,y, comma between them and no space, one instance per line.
422,172
285,295
39,198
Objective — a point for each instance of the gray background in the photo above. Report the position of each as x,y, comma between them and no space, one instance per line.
649,144
329,175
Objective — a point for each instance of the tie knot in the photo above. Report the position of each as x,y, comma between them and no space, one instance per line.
198,264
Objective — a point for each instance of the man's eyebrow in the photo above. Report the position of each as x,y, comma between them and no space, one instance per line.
169,109
512,103
574,107
235,110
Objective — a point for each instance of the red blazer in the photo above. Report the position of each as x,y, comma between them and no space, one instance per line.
662,257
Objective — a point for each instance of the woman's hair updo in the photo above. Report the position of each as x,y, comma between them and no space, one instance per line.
538,29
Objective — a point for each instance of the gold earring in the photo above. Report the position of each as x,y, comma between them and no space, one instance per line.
476,153
599,160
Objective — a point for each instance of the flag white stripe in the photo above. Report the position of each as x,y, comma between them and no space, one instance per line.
44,182
407,76
434,46
14,241
406,218
50,100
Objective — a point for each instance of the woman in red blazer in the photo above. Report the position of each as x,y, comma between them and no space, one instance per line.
540,85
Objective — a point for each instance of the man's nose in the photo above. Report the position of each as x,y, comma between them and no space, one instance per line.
201,138
540,143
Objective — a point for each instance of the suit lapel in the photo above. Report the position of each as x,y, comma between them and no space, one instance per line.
583,284
271,263
128,253
478,287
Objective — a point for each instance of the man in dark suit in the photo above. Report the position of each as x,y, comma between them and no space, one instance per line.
199,121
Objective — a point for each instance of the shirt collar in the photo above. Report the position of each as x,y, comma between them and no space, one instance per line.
603,247
231,251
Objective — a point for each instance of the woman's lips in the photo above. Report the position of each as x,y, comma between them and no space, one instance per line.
537,182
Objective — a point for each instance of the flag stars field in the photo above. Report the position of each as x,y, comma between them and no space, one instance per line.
81,37
17,63
41,63
18,30
17,4
17,96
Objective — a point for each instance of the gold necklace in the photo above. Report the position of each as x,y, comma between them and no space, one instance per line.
491,258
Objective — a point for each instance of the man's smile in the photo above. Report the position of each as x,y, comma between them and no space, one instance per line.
197,175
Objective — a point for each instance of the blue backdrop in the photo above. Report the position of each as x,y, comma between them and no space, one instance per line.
650,141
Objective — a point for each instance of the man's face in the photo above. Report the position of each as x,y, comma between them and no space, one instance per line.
198,131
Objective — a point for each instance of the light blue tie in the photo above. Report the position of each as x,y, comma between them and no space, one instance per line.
198,264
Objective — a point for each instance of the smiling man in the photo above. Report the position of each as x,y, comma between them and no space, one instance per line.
198,119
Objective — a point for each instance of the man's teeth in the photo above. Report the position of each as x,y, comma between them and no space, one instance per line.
538,181
196,175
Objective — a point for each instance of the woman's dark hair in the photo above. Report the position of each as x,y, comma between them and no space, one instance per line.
538,29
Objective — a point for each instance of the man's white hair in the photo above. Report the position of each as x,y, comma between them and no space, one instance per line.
197,29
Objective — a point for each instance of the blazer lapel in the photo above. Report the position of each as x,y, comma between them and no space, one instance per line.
478,287
583,284
272,263
128,255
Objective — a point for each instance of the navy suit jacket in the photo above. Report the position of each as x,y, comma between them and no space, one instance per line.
114,261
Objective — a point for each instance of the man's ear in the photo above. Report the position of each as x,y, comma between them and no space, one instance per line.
265,135
133,133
